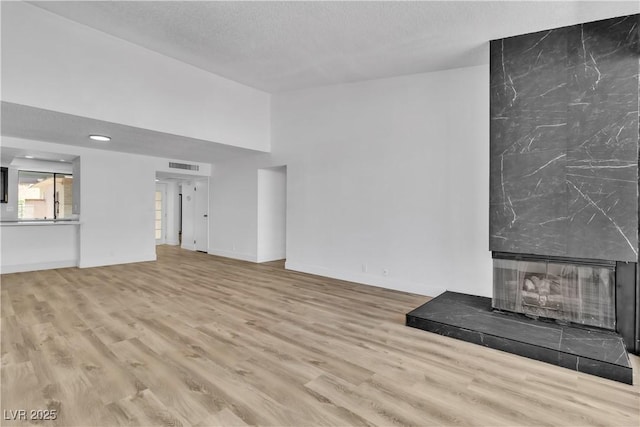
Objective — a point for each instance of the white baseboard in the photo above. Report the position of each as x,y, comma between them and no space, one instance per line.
234,255
397,284
172,242
272,257
116,261
21,268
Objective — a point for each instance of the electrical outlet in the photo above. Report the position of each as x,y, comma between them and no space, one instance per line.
364,268
385,271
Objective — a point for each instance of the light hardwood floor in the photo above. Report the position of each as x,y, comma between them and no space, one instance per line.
194,339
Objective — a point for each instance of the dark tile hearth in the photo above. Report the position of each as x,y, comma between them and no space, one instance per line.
471,318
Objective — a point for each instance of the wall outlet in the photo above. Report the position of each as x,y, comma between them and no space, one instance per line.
385,271
364,268
9,208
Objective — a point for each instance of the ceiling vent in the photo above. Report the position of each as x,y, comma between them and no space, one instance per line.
186,166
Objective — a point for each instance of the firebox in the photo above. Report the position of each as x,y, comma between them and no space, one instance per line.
579,291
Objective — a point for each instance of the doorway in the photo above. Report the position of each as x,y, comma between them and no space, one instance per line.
195,215
272,214
161,214
201,219
184,202
180,217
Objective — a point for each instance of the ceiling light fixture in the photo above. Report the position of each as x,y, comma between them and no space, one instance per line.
100,138
28,157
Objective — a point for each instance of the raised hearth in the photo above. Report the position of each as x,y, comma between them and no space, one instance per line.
471,318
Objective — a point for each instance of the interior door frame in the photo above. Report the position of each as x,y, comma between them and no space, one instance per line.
201,196
162,187
180,216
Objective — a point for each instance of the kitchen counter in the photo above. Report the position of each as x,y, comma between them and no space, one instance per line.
38,245
14,223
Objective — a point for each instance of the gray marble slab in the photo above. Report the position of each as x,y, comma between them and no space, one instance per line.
564,141
471,318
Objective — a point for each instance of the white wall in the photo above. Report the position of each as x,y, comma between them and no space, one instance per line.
117,209
272,205
389,174
53,63
233,208
38,247
117,199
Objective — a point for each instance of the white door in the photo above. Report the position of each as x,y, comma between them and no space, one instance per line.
161,214
188,215
201,221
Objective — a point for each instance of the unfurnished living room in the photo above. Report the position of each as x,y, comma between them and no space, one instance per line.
319,213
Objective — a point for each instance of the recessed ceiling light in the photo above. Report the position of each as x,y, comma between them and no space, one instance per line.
100,138
62,160
28,157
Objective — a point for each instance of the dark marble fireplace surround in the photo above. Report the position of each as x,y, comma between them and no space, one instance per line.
564,136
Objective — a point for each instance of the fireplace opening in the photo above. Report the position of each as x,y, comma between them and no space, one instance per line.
567,290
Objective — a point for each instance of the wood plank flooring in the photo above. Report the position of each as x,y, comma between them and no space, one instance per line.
198,340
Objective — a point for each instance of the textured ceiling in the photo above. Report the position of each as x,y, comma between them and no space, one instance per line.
44,125
280,46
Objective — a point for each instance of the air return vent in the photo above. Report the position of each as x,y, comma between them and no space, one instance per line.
184,166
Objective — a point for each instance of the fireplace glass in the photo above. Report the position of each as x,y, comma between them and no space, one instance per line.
570,292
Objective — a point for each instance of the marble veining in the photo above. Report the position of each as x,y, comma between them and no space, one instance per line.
564,141
471,318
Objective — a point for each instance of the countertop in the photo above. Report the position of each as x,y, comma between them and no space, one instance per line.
39,222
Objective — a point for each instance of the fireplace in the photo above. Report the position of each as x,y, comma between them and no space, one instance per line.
564,205
564,182
563,289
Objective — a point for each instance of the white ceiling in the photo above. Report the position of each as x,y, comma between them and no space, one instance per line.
8,154
44,125
278,46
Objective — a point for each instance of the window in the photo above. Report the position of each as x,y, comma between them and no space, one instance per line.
44,195
4,185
